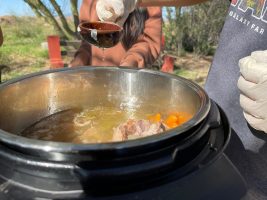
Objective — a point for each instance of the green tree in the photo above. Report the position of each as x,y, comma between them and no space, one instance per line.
50,11
197,27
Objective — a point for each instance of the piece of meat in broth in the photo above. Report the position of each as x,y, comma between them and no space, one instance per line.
133,129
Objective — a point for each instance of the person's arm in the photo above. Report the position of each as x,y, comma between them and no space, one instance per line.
176,3
1,37
147,48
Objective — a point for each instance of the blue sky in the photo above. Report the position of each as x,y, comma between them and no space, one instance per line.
19,7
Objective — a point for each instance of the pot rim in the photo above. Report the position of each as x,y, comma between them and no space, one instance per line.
49,146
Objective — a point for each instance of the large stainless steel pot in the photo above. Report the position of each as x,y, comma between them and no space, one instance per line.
136,168
26,100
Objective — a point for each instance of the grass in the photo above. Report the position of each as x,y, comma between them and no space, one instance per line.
193,67
22,50
186,73
196,76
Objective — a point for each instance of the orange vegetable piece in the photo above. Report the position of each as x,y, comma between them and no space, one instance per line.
155,118
172,125
177,118
173,120
184,117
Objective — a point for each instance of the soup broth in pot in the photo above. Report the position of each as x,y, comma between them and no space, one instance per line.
99,125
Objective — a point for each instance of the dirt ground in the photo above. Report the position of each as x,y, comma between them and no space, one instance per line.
193,67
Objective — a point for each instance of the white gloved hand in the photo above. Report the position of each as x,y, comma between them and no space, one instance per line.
116,11
253,87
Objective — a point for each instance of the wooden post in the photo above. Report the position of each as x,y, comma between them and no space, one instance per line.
168,61
54,52
168,64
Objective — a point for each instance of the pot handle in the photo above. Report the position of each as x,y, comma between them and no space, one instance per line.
118,178
214,117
